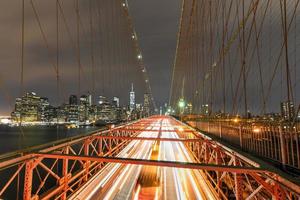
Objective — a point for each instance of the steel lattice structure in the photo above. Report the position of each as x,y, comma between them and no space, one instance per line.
58,170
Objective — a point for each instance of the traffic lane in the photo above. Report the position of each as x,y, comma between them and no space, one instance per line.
123,184
95,185
182,179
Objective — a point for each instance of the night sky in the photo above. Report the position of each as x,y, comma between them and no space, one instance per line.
156,24
155,21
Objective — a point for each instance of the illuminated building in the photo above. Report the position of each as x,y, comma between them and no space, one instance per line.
71,110
116,102
189,108
146,104
131,99
106,112
72,113
102,100
287,110
44,110
205,109
30,108
84,105
90,99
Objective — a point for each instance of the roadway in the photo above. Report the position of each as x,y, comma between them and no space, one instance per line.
119,181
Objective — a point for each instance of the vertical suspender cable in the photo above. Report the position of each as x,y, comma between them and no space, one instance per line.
21,83
57,52
211,56
223,56
22,48
288,81
171,96
78,45
244,61
92,49
57,64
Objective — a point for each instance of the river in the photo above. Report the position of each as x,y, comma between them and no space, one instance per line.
12,138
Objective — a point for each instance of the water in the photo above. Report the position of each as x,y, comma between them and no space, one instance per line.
12,138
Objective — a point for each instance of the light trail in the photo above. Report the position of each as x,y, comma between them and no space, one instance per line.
119,181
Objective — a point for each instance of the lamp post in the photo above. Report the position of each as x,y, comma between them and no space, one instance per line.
181,105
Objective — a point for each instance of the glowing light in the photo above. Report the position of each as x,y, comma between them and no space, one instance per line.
236,120
5,121
139,56
181,103
256,130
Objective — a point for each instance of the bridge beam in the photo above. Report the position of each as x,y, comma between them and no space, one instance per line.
185,165
147,138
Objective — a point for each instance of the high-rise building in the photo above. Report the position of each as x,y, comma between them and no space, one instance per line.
147,104
16,114
73,100
31,108
43,110
132,99
27,107
287,110
72,113
205,109
189,108
90,99
84,105
102,100
116,102
106,112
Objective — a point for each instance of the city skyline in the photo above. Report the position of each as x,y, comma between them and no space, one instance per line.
32,108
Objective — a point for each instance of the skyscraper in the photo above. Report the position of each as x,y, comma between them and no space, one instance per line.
43,109
116,101
73,100
90,99
287,110
72,109
31,108
131,99
102,100
146,104
84,105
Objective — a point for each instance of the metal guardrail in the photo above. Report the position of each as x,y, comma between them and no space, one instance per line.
279,142
24,173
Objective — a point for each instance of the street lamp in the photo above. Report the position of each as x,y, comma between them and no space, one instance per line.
181,105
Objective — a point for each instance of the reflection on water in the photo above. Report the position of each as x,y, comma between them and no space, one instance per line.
12,138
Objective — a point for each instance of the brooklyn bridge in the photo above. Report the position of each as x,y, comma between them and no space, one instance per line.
229,129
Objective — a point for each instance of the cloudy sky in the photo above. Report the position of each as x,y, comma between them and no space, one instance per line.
156,24
155,21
